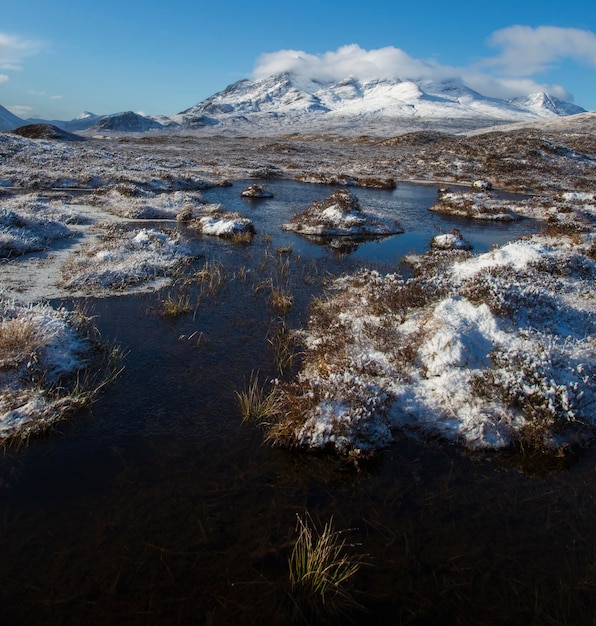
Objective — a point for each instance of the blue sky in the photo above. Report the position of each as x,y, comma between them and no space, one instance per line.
62,57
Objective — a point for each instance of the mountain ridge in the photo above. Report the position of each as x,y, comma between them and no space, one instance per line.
285,102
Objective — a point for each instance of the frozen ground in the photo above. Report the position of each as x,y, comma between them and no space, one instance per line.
486,350
41,351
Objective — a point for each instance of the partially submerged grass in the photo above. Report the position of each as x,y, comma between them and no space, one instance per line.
175,304
257,405
211,277
283,344
52,363
321,571
278,284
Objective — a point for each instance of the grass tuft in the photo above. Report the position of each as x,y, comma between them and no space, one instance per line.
256,405
173,306
320,572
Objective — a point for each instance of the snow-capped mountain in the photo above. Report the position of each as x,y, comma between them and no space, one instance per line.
286,103
541,102
9,121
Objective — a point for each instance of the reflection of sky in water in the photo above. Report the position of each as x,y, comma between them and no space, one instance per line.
408,203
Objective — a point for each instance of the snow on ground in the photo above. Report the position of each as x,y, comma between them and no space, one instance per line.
41,348
23,230
488,351
485,350
123,258
340,215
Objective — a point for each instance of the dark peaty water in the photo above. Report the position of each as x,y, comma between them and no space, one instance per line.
159,507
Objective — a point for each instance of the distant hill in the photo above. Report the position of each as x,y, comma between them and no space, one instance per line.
9,121
127,122
45,131
584,123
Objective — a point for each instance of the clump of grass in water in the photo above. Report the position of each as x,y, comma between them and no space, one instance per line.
282,343
211,277
320,573
278,284
173,306
256,405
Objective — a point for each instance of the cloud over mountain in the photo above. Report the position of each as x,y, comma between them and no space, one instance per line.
524,53
350,60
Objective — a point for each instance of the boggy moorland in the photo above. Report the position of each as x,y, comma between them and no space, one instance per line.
437,403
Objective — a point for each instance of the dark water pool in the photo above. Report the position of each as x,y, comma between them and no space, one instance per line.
159,507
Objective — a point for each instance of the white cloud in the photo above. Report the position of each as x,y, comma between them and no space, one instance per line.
3,79
526,51
506,88
56,97
20,110
351,60
13,49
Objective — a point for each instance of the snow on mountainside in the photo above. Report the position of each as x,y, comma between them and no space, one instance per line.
9,121
284,102
540,102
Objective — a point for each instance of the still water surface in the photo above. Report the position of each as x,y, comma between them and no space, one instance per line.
159,507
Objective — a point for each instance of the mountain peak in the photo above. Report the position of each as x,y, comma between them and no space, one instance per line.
543,102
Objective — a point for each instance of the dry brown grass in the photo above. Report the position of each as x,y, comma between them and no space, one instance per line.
20,338
321,570
257,405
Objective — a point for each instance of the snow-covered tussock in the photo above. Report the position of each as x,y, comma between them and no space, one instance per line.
340,215
125,259
40,347
496,349
213,220
22,231
479,206
134,202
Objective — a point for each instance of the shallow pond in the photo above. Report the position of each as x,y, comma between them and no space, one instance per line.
159,506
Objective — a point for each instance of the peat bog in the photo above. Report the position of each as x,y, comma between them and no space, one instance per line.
158,505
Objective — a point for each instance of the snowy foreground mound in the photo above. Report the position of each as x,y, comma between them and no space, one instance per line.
41,350
486,351
123,259
23,231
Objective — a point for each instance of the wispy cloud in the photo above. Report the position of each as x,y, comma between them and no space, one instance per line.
3,78
14,49
525,53
20,110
